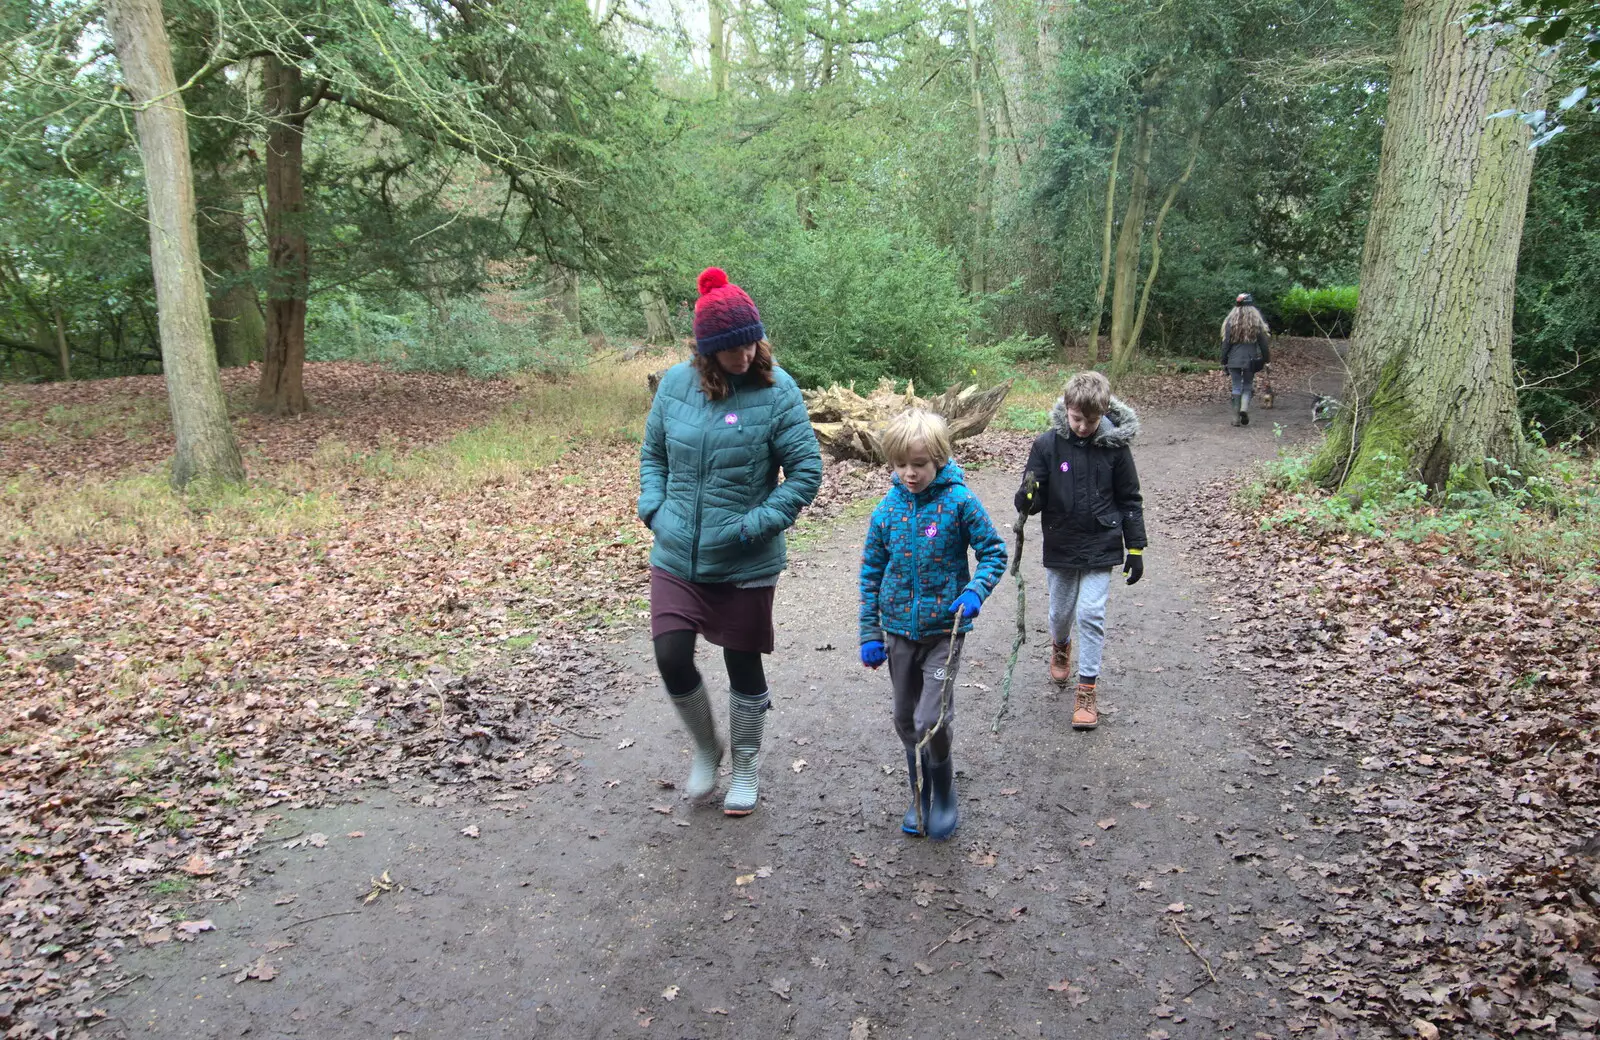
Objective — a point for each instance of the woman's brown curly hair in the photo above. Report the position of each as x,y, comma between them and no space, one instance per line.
1243,324
714,381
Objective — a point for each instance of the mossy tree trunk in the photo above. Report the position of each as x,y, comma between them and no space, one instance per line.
718,48
237,325
1130,245
206,450
62,348
978,265
282,389
1432,392
1106,230
657,319
1155,237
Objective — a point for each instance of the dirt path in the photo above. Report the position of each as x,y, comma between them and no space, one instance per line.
1097,883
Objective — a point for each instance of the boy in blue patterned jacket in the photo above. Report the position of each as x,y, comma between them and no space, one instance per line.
916,596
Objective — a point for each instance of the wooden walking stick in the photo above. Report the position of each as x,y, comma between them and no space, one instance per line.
944,709
1022,605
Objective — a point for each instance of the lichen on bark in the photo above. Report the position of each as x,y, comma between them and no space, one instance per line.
1432,389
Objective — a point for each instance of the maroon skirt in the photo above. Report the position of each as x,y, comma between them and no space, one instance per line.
731,617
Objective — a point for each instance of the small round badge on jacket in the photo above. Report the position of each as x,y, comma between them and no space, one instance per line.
1065,466
931,531
730,418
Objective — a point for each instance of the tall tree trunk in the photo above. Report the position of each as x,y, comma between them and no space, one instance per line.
1161,219
750,55
282,390
1130,243
719,49
61,346
657,319
978,264
825,74
237,324
206,450
798,78
1431,349
1105,252
1017,69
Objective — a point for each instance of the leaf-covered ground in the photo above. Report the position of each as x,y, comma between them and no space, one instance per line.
65,430
418,600
1464,695
167,691
172,684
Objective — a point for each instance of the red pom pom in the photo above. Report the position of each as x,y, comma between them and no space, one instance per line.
712,278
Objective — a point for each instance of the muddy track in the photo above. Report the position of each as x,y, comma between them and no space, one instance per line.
1138,880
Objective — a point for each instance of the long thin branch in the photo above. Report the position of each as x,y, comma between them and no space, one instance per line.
1577,364
1196,952
1161,217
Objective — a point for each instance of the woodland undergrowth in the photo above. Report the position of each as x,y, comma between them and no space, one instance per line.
1444,653
416,585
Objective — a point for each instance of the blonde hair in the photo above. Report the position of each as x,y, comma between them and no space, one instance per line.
1243,324
1088,392
911,426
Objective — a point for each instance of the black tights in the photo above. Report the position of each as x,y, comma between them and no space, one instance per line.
675,660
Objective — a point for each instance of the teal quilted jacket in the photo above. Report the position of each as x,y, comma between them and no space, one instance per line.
708,476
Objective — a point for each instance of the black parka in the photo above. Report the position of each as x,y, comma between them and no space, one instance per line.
1088,490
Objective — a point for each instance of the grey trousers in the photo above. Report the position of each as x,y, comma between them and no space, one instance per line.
1080,595
917,673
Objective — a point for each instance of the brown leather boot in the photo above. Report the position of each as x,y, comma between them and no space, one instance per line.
1084,713
1060,662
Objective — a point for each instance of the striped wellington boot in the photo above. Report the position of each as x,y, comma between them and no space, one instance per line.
694,708
747,719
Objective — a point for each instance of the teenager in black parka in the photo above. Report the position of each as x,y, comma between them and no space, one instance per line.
1080,475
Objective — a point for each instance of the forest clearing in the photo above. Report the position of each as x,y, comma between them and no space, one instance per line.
392,395
210,707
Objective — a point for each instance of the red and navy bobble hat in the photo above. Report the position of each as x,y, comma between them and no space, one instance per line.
724,317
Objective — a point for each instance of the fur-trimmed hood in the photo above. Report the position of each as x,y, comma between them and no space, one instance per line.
1118,427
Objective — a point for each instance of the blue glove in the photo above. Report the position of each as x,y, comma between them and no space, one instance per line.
873,653
967,604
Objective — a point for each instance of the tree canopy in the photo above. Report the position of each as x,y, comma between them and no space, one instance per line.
900,183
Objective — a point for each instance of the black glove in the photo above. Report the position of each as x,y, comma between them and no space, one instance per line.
1133,567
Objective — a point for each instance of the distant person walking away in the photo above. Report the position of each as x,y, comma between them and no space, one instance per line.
722,426
918,599
1245,351
1080,475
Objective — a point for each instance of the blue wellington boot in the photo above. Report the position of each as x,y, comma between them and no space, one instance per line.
942,816
909,823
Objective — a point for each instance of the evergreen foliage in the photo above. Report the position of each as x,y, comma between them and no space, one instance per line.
1317,312
901,186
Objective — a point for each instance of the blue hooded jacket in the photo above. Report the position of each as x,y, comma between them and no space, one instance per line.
914,563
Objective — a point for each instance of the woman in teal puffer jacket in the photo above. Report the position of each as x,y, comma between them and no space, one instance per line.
721,428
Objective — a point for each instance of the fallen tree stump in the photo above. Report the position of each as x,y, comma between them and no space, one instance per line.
849,426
